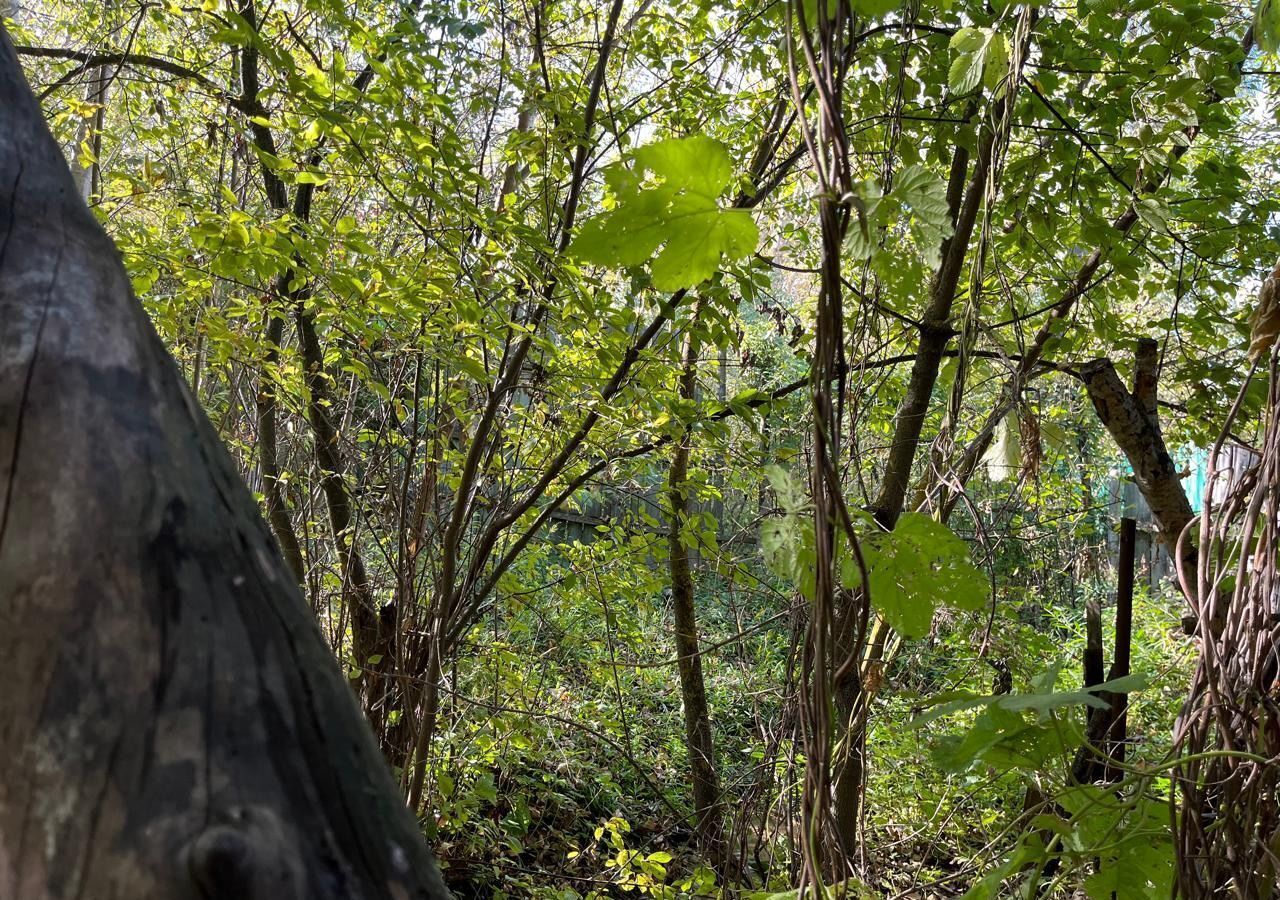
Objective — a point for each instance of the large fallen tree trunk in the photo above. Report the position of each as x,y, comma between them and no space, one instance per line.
172,724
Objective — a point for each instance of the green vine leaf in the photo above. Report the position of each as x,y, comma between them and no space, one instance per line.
1266,25
669,198
918,201
913,567
922,197
981,57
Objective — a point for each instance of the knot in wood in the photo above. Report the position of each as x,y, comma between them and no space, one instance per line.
246,855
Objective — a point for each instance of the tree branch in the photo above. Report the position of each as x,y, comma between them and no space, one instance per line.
89,60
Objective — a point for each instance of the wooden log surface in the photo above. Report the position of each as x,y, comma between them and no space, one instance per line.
172,722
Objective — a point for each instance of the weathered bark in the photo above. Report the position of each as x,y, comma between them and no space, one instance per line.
1146,376
708,811
1137,432
173,724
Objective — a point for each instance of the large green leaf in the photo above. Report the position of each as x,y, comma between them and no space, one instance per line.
669,198
918,203
980,57
920,565
1266,25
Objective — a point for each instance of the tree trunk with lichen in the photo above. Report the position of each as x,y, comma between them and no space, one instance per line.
1132,420
172,723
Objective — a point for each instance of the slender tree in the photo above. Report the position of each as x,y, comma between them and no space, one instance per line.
708,810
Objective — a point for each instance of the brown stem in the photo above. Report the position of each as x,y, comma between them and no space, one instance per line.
708,811
268,454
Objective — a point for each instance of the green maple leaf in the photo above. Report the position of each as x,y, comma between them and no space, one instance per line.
667,202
